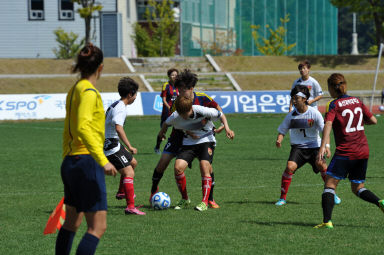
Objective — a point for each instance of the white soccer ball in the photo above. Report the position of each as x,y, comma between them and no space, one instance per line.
381,108
161,201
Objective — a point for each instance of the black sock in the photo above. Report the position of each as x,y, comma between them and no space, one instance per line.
156,177
64,241
158,142
327,202
368,196
87,245
210,198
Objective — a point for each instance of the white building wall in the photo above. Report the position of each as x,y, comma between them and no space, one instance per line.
128,20
23,38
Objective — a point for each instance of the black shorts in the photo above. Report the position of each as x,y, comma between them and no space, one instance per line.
174,143
341,167
202,151
84,183
304,155
121,159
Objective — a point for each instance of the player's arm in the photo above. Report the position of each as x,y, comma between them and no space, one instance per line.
371,121
279,139
325,148
165,103
87,133
230,134
123,137
315,99
290,105
163,130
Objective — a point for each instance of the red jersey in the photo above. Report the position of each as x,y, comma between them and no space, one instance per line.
170,93
347,115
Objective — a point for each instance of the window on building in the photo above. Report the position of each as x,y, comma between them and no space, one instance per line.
36,9
128,9
66,10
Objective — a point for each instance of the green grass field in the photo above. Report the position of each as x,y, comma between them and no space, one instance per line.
247,171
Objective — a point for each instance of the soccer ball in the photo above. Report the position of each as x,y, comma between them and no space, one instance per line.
161,201
381,108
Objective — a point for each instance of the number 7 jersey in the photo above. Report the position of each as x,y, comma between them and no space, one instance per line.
347,115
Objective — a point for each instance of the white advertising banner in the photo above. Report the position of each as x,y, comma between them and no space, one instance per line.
51,106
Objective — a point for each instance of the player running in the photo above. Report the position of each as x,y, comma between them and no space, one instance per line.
304,124
185,82
115,151
168,95
199,142
346,116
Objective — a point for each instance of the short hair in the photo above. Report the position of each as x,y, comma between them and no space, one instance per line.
170,71
127,86
88,60
338,82
304,63
186,79
183,104
303,89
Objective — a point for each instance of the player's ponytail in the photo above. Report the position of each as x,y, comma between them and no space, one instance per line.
89,59
338,82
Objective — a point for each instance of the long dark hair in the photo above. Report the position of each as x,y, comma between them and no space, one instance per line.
89,59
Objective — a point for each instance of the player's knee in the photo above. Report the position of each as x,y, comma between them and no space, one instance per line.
290,169
134,163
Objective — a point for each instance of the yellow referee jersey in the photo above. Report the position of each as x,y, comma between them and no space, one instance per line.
84,122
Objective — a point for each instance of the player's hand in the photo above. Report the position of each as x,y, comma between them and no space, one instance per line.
191,134
278,144
110,169
133,150
230,134
161,136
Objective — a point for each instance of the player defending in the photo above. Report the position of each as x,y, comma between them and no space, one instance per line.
315,91
185,82
304,124
346,115
168,95
115,151
199,142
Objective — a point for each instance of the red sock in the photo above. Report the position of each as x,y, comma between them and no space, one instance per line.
323,174
181,182
286,179
121,186
206,184
129,191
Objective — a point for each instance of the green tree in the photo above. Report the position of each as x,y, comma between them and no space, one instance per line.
368,10
274,45
86,12
161,35
68,46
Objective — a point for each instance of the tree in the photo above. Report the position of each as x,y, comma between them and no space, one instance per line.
274,45
161,35
368,10
68,47
86,12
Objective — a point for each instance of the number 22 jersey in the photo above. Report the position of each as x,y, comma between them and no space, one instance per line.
347,115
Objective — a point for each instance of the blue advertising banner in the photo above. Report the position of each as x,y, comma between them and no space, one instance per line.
230,101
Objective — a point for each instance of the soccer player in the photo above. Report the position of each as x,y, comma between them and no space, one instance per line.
168,94
304,124
346,116
84,163
199,143
115,151
185,82
315,91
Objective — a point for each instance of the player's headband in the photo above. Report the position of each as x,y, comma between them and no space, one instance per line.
301,94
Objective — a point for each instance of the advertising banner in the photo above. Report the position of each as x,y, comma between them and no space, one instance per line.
52,106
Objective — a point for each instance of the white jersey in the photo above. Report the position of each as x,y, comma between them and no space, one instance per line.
200,124
313,86
115,115
303,128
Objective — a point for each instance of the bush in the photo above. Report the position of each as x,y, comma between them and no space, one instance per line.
68,48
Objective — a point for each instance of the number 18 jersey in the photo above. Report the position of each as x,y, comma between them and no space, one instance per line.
347,115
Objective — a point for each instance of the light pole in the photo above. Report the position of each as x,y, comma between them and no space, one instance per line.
354,51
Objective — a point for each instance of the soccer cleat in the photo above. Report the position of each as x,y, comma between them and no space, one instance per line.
281,202
381,205
133,210
327,225
120,195
201,207
212,204
337,200
157,150
184,203
150,197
